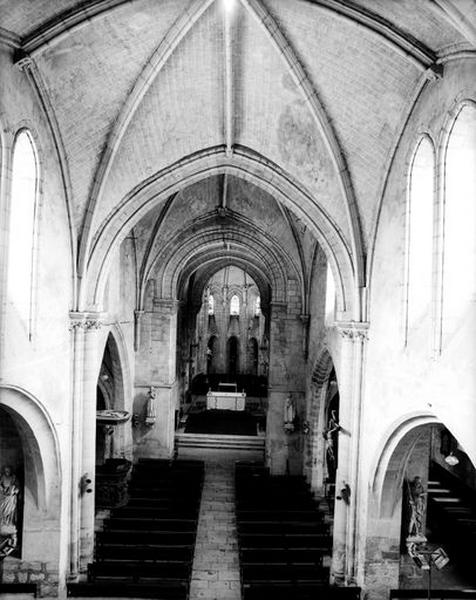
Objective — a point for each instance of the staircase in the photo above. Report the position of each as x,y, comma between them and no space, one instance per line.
146,548
452,515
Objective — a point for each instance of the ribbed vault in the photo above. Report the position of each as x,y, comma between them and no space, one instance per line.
242,165
305,98
209,246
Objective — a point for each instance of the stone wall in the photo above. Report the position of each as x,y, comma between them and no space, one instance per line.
44,575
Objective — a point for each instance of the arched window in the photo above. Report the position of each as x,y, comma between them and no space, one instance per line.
22,226
211,305
459,252
330,296
419,235
257,306
234,305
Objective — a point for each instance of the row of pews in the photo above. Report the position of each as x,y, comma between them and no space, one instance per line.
283,540
146,548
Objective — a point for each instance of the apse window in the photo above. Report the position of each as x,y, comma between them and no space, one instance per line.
459,251
234,306
419,236
258,306
211,305
23,208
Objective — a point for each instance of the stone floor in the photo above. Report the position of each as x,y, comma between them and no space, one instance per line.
216,573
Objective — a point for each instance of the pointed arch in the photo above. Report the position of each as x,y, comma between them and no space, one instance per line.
242,164
459,232
419,235
389,466
40,443
23,221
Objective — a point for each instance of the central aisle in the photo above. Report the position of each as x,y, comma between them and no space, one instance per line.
216,568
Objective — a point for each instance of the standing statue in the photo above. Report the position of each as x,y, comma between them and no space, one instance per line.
416,499
9,490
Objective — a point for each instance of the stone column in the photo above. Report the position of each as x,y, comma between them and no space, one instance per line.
346,522
286,380
157,369
138,314
278,382
85,327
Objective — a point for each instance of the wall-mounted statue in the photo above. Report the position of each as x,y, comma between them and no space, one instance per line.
9,491
329,436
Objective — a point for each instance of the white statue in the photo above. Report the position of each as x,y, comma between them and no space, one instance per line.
9,490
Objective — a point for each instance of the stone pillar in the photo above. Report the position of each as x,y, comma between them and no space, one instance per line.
138,314
347,505
157,369
278,381
286,368
85,327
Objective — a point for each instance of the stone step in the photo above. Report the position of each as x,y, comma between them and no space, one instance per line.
438,490
233,442
448,500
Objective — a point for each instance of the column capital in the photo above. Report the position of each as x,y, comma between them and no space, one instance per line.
353,330
165,304
85,320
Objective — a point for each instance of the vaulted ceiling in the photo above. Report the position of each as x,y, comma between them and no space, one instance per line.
318,91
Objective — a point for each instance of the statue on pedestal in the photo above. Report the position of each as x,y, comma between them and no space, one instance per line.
416,500
9,490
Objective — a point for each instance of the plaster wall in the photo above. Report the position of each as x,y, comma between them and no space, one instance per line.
39,367
404,381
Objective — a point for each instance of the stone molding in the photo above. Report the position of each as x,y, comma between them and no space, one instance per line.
85,320
353,330
165,305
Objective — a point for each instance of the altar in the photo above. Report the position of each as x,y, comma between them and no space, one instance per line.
226,398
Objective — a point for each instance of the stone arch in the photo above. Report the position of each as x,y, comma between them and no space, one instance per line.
402,444
115,344
41,447
317,418
217,263
243,164
197,249
388,471
41,524
122,392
